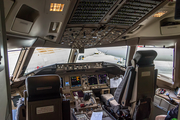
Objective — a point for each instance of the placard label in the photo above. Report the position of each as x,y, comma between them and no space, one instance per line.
46,109
144,74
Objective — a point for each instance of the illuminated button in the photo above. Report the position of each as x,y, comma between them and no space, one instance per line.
77,78
56,7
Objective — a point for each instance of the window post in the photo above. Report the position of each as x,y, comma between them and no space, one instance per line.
5,99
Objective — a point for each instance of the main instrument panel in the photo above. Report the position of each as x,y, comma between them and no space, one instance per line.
85,81
93,76
86,76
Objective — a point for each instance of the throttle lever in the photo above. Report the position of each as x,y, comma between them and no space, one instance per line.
171,100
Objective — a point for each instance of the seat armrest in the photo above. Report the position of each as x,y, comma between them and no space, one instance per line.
114,103
115,106
106,98
160,117
25,96
21,110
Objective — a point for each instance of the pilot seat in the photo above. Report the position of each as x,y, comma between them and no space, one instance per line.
132,98
43,99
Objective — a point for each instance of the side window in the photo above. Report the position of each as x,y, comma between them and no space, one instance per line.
163,61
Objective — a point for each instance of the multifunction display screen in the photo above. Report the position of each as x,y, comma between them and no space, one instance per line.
102,78
75,81
92,80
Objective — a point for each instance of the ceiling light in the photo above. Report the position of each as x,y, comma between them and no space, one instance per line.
56,7
159,14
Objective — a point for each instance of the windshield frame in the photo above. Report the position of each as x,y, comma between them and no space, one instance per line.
16,64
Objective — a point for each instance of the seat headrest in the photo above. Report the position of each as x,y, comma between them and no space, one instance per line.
145,57
43,86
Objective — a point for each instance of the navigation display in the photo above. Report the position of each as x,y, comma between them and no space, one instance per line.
92,80
102,78
75,81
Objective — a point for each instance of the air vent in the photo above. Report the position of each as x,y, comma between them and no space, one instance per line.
50,37
132,11
91,11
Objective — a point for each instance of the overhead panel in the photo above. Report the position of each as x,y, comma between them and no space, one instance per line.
114,34
132,11
91,11
70,34
86,37
85,27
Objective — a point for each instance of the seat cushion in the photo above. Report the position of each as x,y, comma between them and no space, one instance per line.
106,98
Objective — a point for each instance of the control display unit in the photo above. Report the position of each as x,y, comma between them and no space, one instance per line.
75,81
102,78
78,93
92,80
81,117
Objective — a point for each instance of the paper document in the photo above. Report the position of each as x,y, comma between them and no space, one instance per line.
97,116
114,83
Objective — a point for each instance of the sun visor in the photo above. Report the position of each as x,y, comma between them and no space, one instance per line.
14,41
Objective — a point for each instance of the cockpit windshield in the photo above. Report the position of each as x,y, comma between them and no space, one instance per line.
47,56
115,55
